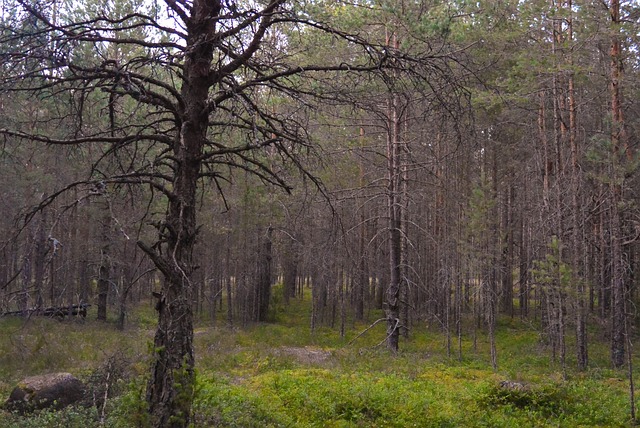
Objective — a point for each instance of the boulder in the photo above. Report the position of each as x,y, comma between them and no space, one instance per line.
55,390
512,386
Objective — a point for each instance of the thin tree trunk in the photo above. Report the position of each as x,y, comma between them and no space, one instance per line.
362,282
494,247
264,277
632,390
618,151
524,267
343,304
394,206
39,266
576,226
229,281
491,319
290,267
104,270
507,253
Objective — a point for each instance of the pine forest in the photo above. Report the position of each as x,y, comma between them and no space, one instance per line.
320,213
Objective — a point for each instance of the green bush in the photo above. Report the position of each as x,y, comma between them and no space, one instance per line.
318,398
548,400
129,410
70,417
220,403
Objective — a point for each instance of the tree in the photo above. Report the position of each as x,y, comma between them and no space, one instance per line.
619,153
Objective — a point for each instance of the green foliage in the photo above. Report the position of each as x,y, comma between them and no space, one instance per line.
481,204
552,271
144,317
70,417
260,377
578,402
548,400
184,379
276,302
314,398
478,223
130,410
220,403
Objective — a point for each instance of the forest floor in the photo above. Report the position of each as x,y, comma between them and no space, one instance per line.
281,374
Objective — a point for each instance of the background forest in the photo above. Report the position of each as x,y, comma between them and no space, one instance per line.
413,164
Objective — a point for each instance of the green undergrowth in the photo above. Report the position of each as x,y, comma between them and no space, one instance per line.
259,377
404,391
282,374
42,345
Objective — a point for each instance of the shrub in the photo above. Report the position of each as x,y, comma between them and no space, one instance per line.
548,399
69,417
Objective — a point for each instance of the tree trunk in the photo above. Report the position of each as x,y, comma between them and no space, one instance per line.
524,266
576,220
171,387
618,152
39,265
264,277
394,206
617,286
290,267
507,252
104,270
229,281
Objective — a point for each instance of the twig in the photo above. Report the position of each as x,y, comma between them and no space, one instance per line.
365,330
106,395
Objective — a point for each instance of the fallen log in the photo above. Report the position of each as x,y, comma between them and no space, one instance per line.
52,311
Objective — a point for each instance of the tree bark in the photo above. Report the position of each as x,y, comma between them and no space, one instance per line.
171,387
264,277
362,281
577,240
39,265
508,251
104,270
618,152
394,206
290,268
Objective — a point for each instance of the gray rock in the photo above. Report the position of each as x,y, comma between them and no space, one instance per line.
55,390
513,386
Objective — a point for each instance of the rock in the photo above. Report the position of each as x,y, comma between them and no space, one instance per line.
306,355
512,386
55,390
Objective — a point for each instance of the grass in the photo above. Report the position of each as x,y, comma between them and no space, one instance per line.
283,375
